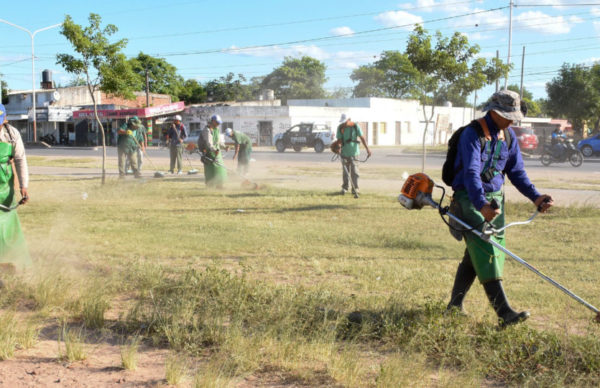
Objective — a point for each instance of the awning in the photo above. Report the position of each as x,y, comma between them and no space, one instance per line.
152,111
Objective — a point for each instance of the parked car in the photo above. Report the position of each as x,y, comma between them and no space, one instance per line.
304,135
527,139
589,146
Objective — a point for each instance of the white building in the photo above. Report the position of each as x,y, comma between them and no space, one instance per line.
384,121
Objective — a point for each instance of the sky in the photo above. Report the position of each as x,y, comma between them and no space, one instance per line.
206,39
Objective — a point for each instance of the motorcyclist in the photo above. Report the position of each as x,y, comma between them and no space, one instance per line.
558,144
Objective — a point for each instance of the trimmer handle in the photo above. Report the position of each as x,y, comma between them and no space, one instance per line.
546,200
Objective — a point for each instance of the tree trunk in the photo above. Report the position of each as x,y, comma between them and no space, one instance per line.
91,90
427,120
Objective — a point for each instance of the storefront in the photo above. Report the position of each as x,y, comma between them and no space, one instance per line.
112,119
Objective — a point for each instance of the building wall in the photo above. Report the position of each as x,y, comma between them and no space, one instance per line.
139,101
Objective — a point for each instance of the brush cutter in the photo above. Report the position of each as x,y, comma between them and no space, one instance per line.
246,182
157,173
416,193
336,156
190,148
13,207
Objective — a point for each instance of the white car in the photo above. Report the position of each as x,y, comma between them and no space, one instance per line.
304,135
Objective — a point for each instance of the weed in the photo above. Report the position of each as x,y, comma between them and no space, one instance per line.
8,335
94,305
73,341
129,353
176,369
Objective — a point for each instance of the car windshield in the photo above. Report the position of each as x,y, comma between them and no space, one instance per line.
321,128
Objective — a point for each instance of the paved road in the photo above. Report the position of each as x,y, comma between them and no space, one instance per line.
391,156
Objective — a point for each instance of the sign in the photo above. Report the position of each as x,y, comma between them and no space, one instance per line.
148,112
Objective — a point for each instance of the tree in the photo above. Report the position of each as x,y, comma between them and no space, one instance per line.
5,90
227,88
391,76
340,92
297,78
575,94
449,64
100,62
162,76
192,92
533,109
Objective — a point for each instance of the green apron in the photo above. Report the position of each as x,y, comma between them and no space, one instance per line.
13,248
214,173
487,260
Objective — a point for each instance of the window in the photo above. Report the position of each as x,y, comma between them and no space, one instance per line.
225,125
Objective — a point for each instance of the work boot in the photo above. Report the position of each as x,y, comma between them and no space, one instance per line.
506,315
343,191
465,275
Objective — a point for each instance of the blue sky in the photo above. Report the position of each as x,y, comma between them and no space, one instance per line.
206,39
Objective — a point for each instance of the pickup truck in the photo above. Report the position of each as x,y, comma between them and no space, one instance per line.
304,135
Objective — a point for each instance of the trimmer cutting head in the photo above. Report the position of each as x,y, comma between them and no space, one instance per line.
192,171
159,174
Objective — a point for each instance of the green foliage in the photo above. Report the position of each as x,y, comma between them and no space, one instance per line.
393,76
192,92
5,90
297,78
575,94
533,109
162,76
227,88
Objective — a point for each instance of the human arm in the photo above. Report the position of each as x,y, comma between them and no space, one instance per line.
364,142
237,149
20,162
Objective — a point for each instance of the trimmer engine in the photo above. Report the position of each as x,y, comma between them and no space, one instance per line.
416,192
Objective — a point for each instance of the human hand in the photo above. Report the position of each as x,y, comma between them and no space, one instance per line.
24,195
369,153
488,212
543,203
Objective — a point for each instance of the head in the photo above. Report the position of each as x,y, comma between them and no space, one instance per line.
229,132
506,107
2,114
134,122
177,119
344,119
215,121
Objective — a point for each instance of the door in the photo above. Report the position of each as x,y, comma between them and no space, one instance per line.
265,133
374,140
398,139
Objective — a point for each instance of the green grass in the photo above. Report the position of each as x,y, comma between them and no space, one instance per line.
273,293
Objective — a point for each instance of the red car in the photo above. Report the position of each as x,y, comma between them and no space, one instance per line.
528,141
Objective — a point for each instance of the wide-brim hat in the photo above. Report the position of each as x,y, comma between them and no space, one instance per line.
344,118
507,104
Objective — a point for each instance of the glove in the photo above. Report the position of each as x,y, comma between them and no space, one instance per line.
129,132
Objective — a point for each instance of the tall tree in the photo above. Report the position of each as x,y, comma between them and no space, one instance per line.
447,64
392,76
5,90
297,78
227,88
162,76
100,62
192,92
575,94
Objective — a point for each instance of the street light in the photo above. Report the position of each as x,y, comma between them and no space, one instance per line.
32,35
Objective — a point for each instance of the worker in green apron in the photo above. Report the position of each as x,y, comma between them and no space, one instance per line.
210,144
13,248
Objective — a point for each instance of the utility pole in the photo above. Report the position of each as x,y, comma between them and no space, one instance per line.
497,80
474,105
147,89
522,68
509,43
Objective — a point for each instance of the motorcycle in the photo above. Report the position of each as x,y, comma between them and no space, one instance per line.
570,153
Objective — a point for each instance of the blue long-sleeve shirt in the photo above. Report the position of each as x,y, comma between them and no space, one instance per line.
470,163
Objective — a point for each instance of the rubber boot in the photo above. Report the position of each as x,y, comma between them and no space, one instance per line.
506,315
465,275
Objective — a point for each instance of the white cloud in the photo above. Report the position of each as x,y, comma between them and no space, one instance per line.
557,4
595,11
342,31
544,23
281,52
575,20
449,6
399,19
591,60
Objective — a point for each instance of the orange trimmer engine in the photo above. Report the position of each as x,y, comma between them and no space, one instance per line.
416,192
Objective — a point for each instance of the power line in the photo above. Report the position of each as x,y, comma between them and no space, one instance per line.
328,37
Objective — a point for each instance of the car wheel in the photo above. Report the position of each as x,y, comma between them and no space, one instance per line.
576,159
297,148
546,159
319,146
587,151
280,146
